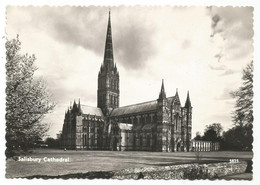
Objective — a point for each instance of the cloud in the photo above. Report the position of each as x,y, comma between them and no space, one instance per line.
86,27
186,44
214,24
225,94
219,56
151,42
224,19
228,72
235,26
133,43
221,118
218,68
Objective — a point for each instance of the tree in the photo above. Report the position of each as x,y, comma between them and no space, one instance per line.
238,138
52,143
213,132
243,113
198,136
27,100
210,135
216,127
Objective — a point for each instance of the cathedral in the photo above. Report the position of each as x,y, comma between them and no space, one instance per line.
160,125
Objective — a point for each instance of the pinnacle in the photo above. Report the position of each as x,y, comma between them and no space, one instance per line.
188,102
162,93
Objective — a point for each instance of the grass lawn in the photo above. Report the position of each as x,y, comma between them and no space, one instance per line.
85,161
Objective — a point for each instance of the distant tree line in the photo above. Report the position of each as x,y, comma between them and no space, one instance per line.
240,136
53,143
212,133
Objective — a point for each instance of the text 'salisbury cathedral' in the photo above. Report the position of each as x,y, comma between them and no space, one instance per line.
158,125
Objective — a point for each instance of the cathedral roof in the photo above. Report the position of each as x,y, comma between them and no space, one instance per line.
91,110
136,108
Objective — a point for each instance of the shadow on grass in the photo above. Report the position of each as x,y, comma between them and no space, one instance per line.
88,175
178,163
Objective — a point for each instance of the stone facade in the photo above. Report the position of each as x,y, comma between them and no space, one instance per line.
158,125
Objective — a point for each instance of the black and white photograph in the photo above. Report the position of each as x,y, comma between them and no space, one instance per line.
129,92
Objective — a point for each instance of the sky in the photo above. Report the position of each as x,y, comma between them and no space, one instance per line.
197,49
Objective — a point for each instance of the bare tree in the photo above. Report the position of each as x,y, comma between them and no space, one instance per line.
27,99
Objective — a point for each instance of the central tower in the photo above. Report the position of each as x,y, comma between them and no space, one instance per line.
108,77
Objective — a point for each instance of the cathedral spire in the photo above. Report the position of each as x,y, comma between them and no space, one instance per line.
188,102
108,56
162,93
108,77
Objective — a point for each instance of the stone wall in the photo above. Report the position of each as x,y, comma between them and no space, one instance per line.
185,171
